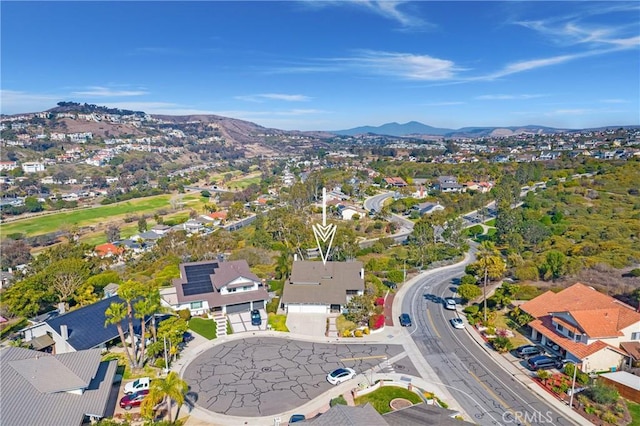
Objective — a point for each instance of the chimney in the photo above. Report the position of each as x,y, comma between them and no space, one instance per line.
64,332
61,308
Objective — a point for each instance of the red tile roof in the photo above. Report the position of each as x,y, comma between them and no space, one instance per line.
108,249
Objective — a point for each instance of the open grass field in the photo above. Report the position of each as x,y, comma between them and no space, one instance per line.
85,217
245,181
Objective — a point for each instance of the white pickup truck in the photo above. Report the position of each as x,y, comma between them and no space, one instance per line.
142,383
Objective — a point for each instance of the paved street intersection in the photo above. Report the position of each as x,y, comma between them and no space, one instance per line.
264,376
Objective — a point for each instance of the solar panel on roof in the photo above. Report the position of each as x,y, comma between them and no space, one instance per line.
198,279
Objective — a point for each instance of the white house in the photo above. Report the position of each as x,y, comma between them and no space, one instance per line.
585,326
33,167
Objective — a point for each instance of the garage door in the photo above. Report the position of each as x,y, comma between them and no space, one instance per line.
307,309
258,305
240,307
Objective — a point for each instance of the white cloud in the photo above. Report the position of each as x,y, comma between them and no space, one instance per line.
107,92
385,8
614,101
16,102
274,96
404,65
509,97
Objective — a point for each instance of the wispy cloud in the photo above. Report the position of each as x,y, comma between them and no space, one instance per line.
508,97
14,101
108,92
614,101
273,96
450,103
403,65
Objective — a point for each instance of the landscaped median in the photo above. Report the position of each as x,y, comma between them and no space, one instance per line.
388,395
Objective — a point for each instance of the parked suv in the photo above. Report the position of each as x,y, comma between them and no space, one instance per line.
544,362
256,319
527,351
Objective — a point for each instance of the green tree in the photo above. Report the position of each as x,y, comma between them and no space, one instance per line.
358,308
167,390
115,314
146,306
489,260
142,224
66,276
469,291
555,264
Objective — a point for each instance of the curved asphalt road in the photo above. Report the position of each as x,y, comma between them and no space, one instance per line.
488,393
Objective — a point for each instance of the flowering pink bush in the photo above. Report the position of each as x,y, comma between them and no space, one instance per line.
377,321
380,301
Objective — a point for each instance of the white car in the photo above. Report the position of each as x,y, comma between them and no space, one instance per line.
341,375
140,384
457,323
450,304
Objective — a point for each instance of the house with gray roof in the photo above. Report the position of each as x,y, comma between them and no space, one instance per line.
317,287
215,286
66,389
76,330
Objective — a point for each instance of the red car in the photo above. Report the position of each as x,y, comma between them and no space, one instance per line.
133,400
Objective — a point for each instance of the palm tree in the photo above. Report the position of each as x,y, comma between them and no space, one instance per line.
114,314
147,306
171,388
130,291
486,252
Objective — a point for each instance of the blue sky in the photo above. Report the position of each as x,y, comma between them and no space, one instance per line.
330,65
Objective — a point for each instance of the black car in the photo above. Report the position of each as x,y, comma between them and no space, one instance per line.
256,318
405,320
544,362
187,337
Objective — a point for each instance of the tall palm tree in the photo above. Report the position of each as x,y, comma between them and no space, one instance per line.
147,306
114,314
486,252
171,388
129,291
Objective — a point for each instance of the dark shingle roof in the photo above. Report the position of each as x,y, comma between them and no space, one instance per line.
316,282
345,415
86,325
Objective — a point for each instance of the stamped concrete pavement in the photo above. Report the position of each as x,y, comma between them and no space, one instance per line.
265,376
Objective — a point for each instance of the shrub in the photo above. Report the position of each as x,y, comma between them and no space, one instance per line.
603,394
185,314
272,305
366,330
338,400
376,321
471,309
634,272
342,324
469,291
543,374
468,279
347,333
159,363
358,333
502,344
395,276
609,417
379,301
581,377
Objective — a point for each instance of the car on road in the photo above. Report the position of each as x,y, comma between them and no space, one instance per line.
256,318
527,351
340,375
405,320
544,362
297,418
457,323
133,400
450,304
187,337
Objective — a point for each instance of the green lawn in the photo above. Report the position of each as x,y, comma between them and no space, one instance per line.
634,410
491,222
278,322
381,397
243,182
204,327
84,217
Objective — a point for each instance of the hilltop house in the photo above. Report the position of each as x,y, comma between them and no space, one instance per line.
315,287
448,184
585,326
66,389
215,286
428,208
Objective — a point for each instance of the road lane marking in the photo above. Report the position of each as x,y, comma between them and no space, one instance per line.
496,397
364,357
433,326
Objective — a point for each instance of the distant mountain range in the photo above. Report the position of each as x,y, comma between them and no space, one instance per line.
413,128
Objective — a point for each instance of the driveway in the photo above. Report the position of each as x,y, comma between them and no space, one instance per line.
241,322
264,376
307,324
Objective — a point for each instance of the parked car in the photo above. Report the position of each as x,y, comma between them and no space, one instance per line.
133,400
405,320
457,323
187,337
297,418
137,385
256,319
341,375
527,351
450,304
544,362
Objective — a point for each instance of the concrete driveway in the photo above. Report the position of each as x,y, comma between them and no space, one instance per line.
241,322
307,324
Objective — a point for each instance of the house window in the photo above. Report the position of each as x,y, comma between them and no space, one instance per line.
635,336
352,292
196,305
559,327
570,334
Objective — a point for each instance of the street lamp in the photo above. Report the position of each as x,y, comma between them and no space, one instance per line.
573,383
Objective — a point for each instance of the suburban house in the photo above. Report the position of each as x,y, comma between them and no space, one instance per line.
585,326
317,287
398,182
77,330
448,184
428,208
347,212
64,389
215,286
108,250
